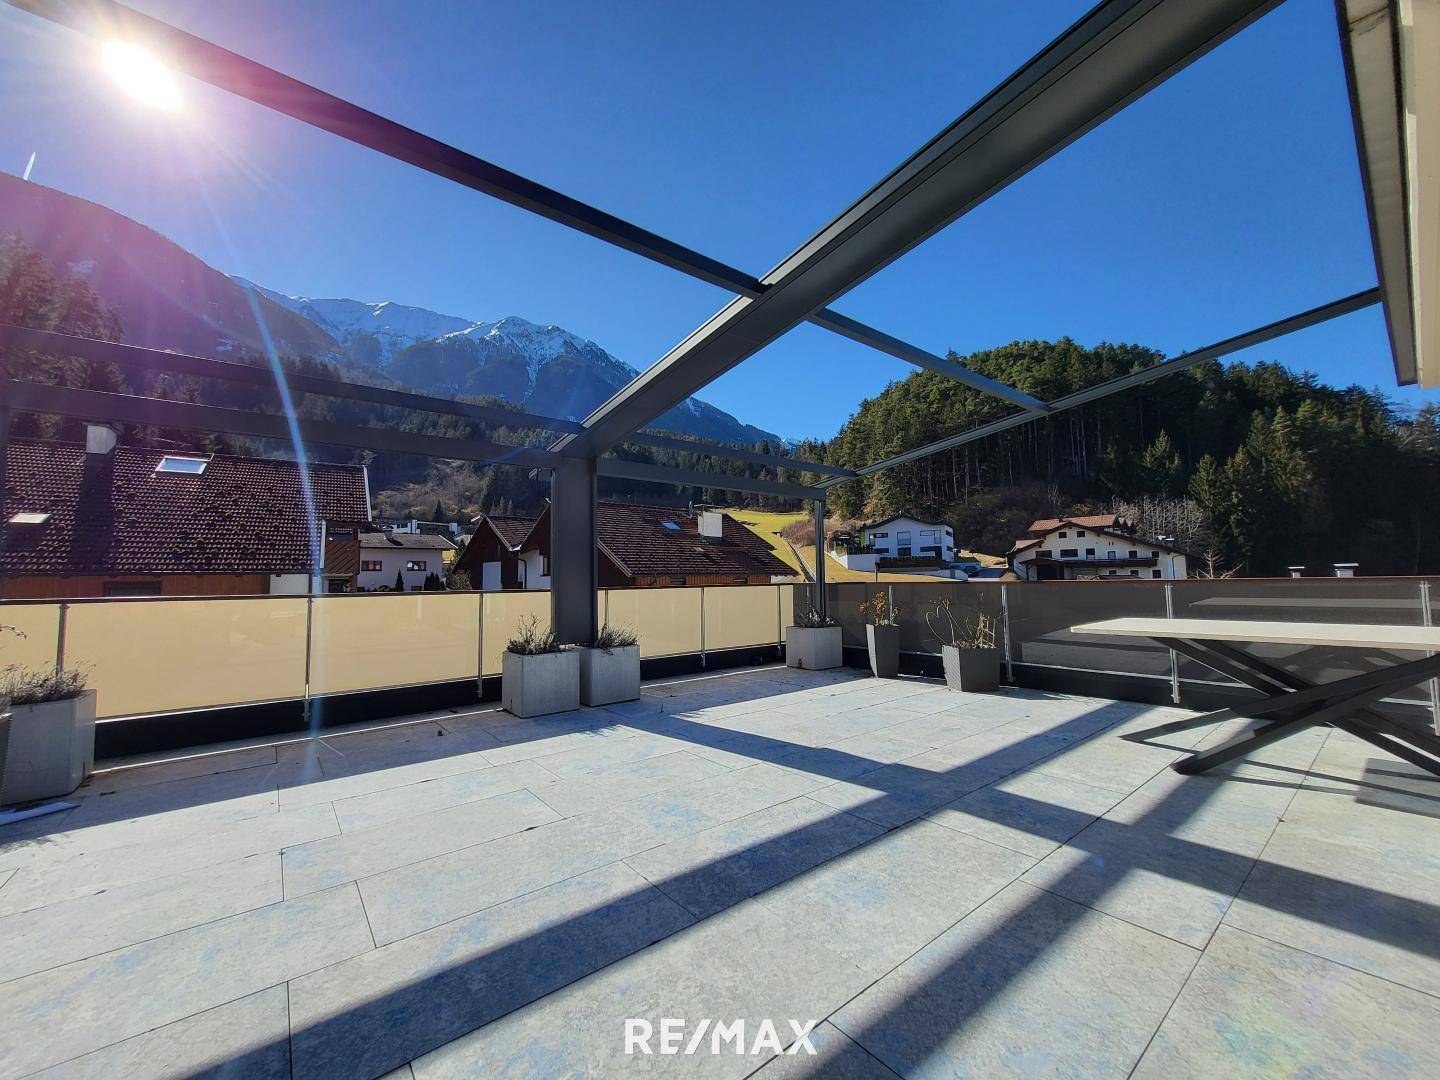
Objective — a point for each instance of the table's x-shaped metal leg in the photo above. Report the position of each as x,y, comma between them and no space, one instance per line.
1296,703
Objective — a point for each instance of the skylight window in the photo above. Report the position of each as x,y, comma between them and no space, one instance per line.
24,518
184,466
671,526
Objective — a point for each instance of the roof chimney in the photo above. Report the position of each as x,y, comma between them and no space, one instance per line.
1296,571
1346,569
712,523
100,439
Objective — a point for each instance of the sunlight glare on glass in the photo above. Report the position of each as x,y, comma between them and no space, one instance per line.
141,75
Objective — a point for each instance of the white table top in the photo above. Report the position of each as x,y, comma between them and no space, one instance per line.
1340,635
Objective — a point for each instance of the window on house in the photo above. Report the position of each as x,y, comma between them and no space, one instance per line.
1154,573
1079,534
903,536
1069,553
339,534
370,564
1064,535
1133,555
184,466
545,565
337,584
1134,573
1089,553
1112,554
1044,553
415,564
671,526
880,536
24,518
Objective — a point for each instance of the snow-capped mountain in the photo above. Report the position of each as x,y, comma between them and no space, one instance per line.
546,369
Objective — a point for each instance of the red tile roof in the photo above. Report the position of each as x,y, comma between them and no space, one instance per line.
512,530
1085,521
114,514
643,547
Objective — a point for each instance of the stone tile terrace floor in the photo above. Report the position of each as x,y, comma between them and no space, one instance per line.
972,885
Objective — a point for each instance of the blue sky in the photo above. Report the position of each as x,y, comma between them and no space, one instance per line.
1225,199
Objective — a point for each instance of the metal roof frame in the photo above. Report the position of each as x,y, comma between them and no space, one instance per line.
1113,55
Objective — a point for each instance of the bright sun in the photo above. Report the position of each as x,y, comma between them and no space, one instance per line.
141,76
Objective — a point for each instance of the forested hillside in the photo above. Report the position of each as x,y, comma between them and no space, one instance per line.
1263,467
1254,465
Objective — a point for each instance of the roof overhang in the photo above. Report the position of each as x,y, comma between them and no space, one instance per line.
1390,49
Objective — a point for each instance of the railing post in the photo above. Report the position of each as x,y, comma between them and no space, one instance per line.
60,637
480,642
1005,634
6,416
1174,660
1426,620
309,651
702,627
820,602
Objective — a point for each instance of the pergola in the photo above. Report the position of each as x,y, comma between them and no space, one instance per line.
1111,57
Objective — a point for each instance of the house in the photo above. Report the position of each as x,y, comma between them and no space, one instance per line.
109,520
905,537
637,547
410,557
492,557
1093,546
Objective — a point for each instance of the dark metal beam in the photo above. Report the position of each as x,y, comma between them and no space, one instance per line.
1112,56
127,409
265,86
661,474
734,452
140,358
1305,319
574,608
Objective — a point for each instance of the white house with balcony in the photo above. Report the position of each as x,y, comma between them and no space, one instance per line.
412,557
1093,546
905,537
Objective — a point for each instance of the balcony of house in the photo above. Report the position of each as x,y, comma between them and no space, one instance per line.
912,874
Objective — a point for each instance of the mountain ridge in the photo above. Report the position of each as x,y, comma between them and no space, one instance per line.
168,298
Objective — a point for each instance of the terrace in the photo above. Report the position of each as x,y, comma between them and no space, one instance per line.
948,883
314,849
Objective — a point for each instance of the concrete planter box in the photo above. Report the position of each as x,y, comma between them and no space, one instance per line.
540,684
976,671
51,749
884,645
813,648
608,677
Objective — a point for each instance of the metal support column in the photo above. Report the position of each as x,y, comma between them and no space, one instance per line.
1174,658
819,602
574,599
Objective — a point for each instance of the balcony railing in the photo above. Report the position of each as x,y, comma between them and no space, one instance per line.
173,655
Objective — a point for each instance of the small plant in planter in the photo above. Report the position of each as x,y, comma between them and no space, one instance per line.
882,635
610,667
814,642
49,748
967,649
538,675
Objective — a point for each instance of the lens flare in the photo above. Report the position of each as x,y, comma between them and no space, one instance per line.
141,75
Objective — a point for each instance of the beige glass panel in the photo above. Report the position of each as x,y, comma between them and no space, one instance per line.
162,655
737,616
503,613
40,626
787,607
667,620
374,640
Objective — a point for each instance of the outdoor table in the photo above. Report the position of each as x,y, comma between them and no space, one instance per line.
1293,703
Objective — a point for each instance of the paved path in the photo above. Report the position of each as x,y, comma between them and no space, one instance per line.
947,884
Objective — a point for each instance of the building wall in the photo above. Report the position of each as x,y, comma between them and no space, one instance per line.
886,538
1095,544
393,559
38,587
